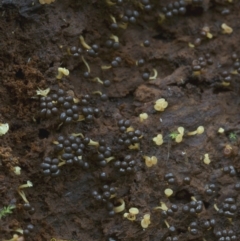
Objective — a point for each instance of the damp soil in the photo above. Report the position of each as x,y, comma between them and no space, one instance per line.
35,41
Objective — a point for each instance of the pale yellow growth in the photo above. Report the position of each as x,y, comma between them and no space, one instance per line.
234,72
113,19
199,131
123,25
115,38
181,130
16,238
158,139
97,79
43,92
19,230
206,29
62,72
86,64
120,207
110,3
62,163
134,146
179,137
150,161
167,224
206,159
17,170
76,100
154,76
134,211
21,192
105,67
93,143
216,207
226,29
46,1
221,130
145,221
97,92
132,214
209,35
161,18
162,206
193,198
225,83
84,44
28,184
161,104
196,73
190,45
168,192
3,128
130,128
143,117
113,196
76,134
140,5
110,158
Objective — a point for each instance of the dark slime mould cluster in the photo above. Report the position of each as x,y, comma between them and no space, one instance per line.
127,147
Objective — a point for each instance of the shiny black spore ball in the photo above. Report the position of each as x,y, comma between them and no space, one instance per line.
126,166
48,107
69,111
72,150
50,167
193,208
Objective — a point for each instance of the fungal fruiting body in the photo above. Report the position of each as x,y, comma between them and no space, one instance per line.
206,31
199,131
62,72
143,117
43,92
158,139
160,104
17,170
178,136
168,192
21,192
221,130
226,29
3,129
145,221
150,161
119,208
162,206
16,238
132,214
206,159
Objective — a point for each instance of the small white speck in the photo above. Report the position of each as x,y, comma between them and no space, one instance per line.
160,119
